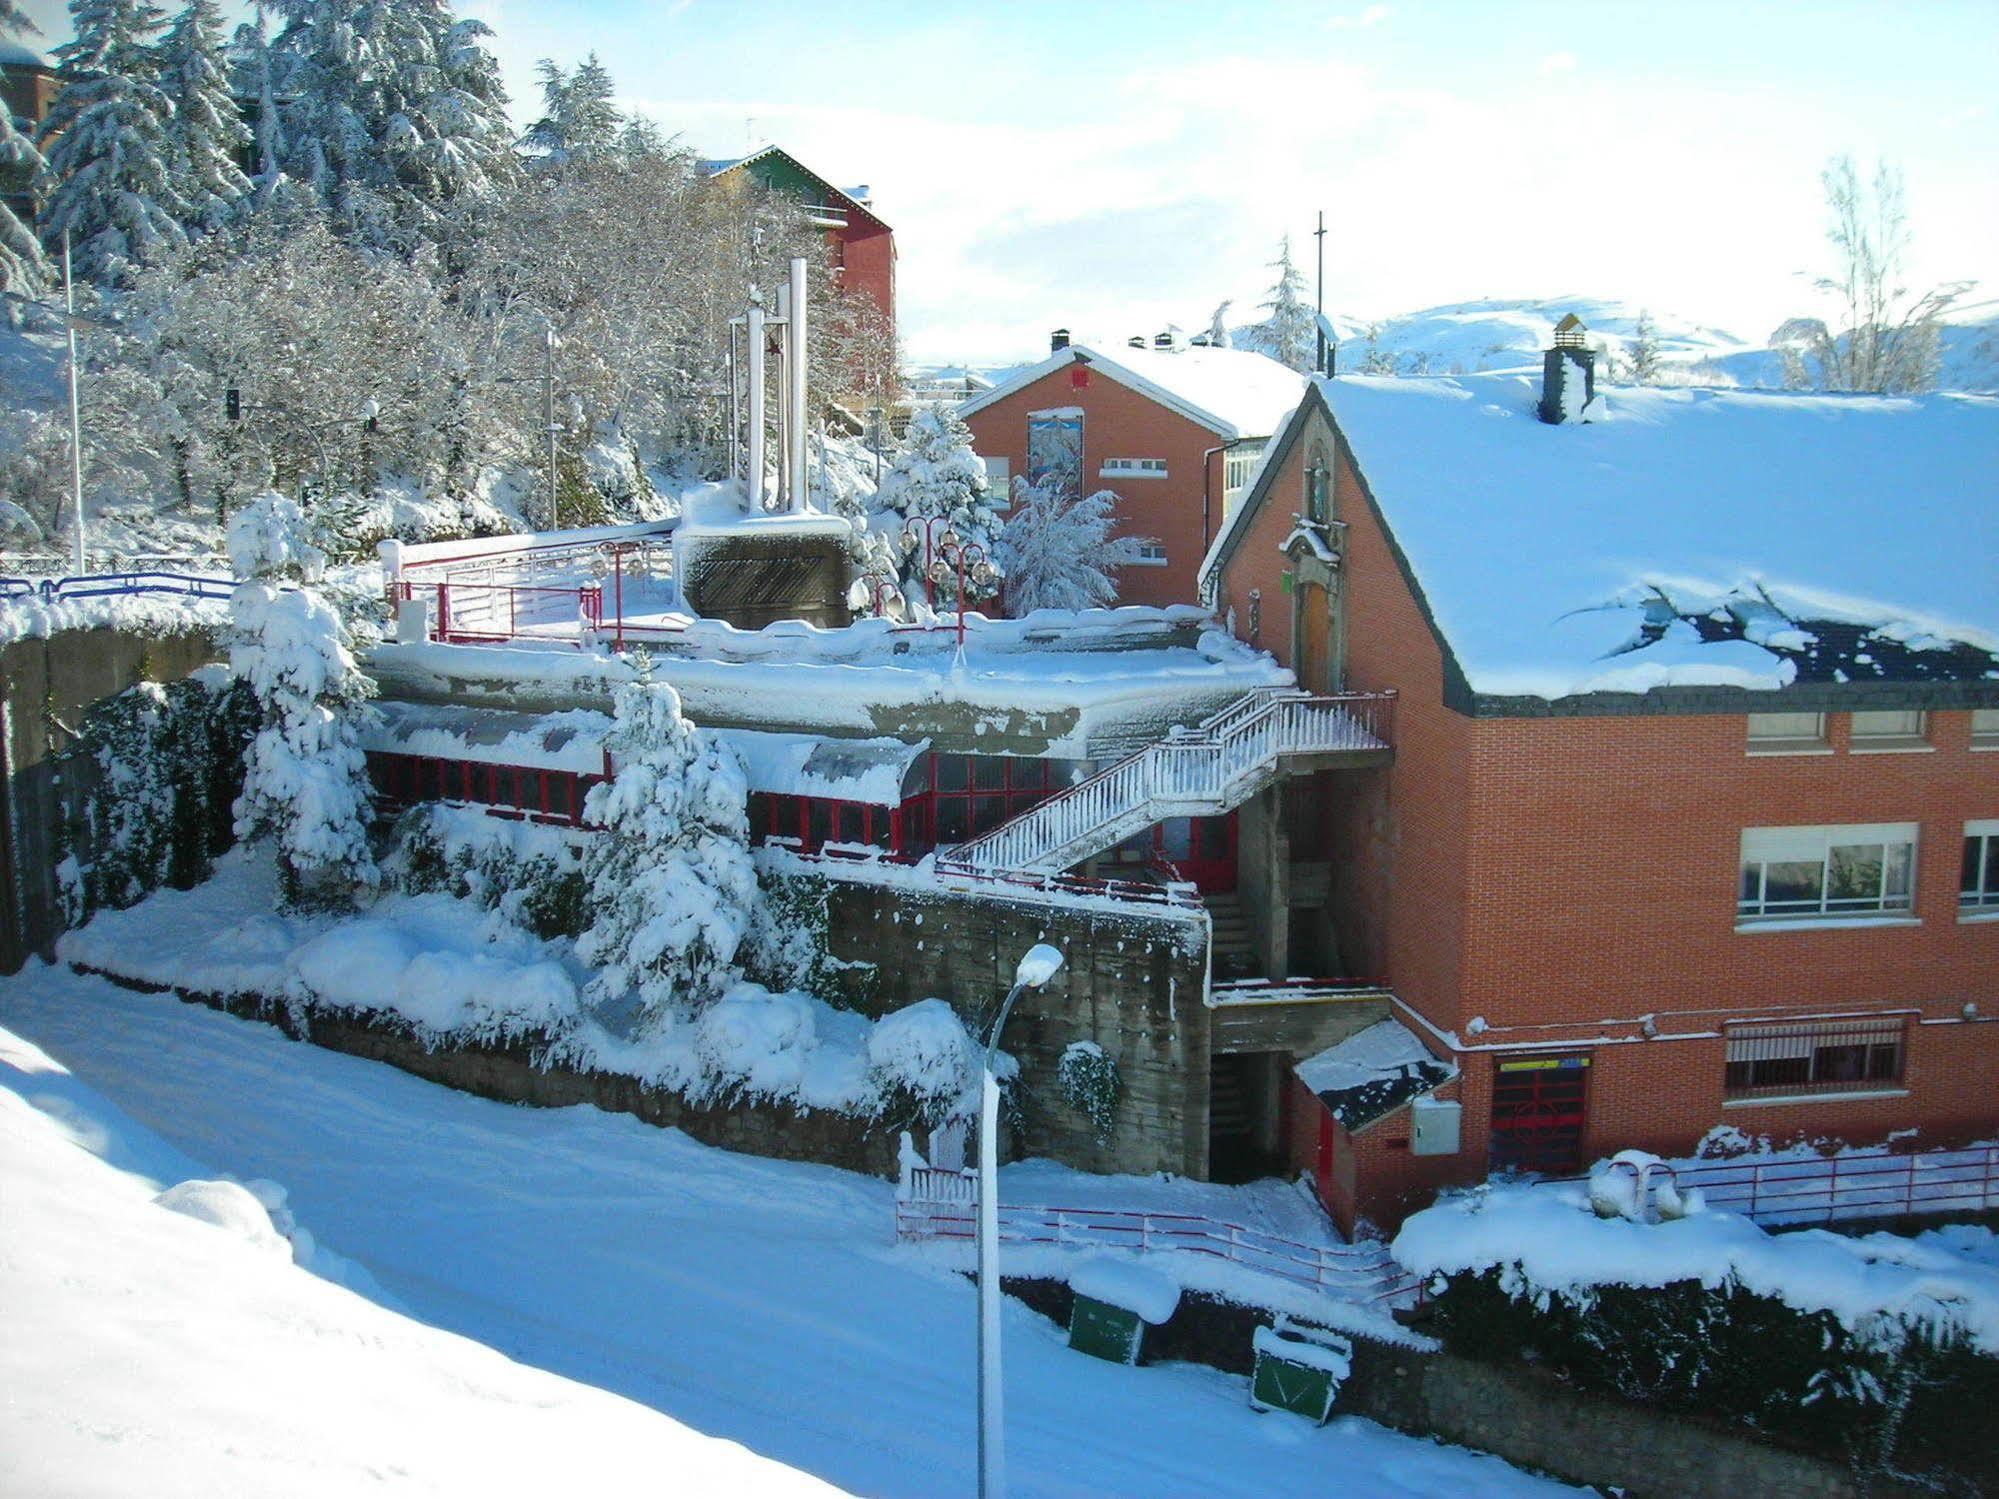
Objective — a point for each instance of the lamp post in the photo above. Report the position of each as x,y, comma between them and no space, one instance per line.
1034,970
921,530
961,557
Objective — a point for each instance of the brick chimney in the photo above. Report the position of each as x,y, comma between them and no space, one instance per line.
1568,372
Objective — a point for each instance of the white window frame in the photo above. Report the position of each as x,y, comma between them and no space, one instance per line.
1239,467
1979,902
1147,547
1132,468
1764,847
1890,731
1787,734
1985,728
999,482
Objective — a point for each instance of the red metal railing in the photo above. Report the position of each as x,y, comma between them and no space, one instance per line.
1856,1185
942,1205
1181,897
459,613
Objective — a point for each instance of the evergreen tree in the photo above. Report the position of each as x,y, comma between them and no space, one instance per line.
1643,352
1058,550
578,123
23,271
938,477
1290,335
207,130
305,779
110,156
672,891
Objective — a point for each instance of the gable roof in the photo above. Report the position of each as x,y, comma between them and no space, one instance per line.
1234,393
1691,538
855,201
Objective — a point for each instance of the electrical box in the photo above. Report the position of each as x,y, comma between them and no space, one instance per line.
1435,1126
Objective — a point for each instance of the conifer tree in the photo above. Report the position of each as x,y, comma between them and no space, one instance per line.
23,271
672,891
1644,350
938,477
578,123
1058,550
207,130
110,158
1289,336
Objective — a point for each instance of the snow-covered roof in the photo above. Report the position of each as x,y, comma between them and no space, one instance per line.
19,55
1683,537
569,740
1371,1072
1232,392
850,770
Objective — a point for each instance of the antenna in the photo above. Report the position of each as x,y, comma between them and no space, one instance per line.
1319,234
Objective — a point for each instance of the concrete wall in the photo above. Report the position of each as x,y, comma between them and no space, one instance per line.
46,686
1133,983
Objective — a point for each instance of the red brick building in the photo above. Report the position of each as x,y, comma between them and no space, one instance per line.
1173,431
1655,855
859,244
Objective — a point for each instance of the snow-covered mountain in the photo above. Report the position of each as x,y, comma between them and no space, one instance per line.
1507,334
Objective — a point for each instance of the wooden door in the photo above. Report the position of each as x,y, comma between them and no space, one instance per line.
1313,657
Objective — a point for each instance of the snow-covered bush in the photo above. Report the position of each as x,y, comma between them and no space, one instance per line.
305,781
671,886
1090,1083
270,537
530,873
158,766
1058,552
937,476
787,946
924,1065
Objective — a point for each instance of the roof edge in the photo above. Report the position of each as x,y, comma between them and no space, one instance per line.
1130,379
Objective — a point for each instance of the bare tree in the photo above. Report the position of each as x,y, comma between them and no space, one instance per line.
1889,338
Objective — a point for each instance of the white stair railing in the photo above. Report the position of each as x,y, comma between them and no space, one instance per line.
1193,772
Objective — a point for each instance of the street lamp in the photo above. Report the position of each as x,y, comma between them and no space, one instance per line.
963,557
1036,969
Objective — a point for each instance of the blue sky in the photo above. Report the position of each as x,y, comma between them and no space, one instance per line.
1111,167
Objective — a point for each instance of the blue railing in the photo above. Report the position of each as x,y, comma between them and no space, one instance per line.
104,585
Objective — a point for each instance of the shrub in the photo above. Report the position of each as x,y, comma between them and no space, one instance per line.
1090,1083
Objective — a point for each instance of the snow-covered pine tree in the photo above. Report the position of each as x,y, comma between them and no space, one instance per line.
936,475
1218,328
1058,551
305,781
671,887
578,123
1290,336
207,129
110,180
1643,350
23,271
447,141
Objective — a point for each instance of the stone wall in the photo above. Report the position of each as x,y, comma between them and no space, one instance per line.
1131,981
46,687
509,1073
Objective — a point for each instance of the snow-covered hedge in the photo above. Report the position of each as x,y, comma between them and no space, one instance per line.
1850,1344
531,873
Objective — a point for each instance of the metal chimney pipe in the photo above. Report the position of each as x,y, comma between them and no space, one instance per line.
795,341
753,469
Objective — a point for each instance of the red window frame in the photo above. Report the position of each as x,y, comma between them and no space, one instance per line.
529,791
984,791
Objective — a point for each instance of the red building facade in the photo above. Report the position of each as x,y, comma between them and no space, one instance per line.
1604,912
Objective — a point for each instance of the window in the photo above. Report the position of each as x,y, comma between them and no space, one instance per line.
1985,728
1889,729
1813,1056
1133,468
998,486
1831,871
1239,466
1151,554
1978,890
976,793
1788,734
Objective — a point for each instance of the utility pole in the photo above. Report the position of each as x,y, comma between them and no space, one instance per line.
548,414
1319,306
75,404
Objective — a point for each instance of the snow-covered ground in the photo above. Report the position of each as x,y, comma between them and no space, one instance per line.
752,1300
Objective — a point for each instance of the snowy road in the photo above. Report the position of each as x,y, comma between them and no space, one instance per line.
750,1299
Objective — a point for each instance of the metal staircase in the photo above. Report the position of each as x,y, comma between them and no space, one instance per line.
1199,772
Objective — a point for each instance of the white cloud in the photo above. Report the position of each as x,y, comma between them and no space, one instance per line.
1558,62
1374,15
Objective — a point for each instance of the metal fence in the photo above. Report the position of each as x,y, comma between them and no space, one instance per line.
1856,1185
109,585
942,1205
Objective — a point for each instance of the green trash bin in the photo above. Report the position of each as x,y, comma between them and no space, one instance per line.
1299,1368
1115,1299
1105,1331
